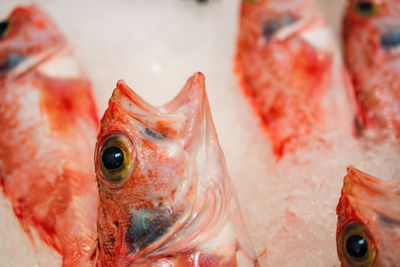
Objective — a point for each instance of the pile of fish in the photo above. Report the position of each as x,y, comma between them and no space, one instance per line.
158,192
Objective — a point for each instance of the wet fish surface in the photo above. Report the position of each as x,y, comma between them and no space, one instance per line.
284,63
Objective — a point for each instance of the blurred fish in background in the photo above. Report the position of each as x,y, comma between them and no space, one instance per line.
285,66
49,122
371,41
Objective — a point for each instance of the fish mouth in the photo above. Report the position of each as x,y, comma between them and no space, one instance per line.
390,40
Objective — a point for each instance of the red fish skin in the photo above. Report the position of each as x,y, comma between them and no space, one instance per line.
163,178
374,70
284,78
374,203
49,122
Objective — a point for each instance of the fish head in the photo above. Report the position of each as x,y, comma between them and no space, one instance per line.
265,23
368,228
372,31
27,34
145,171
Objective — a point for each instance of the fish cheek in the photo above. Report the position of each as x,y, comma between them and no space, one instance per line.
147,226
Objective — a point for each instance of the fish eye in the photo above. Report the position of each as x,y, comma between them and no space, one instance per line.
366,8
4,28
251,1
116,158
357,246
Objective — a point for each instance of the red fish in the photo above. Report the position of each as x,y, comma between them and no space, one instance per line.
165,195
371,42
368,228
49,122
282,68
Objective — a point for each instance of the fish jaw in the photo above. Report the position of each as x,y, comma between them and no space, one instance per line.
373,204
372,57
285,76
176,204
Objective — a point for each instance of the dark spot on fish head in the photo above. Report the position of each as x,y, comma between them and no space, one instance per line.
390,40
147,226
272,26
10,62
388,220
153,133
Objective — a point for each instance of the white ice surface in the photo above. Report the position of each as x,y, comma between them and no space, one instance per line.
155,45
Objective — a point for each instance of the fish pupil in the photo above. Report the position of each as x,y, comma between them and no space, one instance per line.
3,28
357,246
113,157
365,6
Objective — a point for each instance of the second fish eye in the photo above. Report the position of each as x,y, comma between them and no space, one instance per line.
366,8
4,28
251,1
357,247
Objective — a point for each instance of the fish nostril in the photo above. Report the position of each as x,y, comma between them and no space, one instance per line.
391,39
3,28
270,27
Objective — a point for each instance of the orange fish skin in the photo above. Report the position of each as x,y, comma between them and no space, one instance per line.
49,123
373,205
283,75
372,57
175,205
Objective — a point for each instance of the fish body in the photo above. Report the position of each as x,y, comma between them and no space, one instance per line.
284,63
371,42
49,123
165,195
368,221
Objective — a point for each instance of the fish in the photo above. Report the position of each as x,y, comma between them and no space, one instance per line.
49,124
165,195
368,220
371,42
284,62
